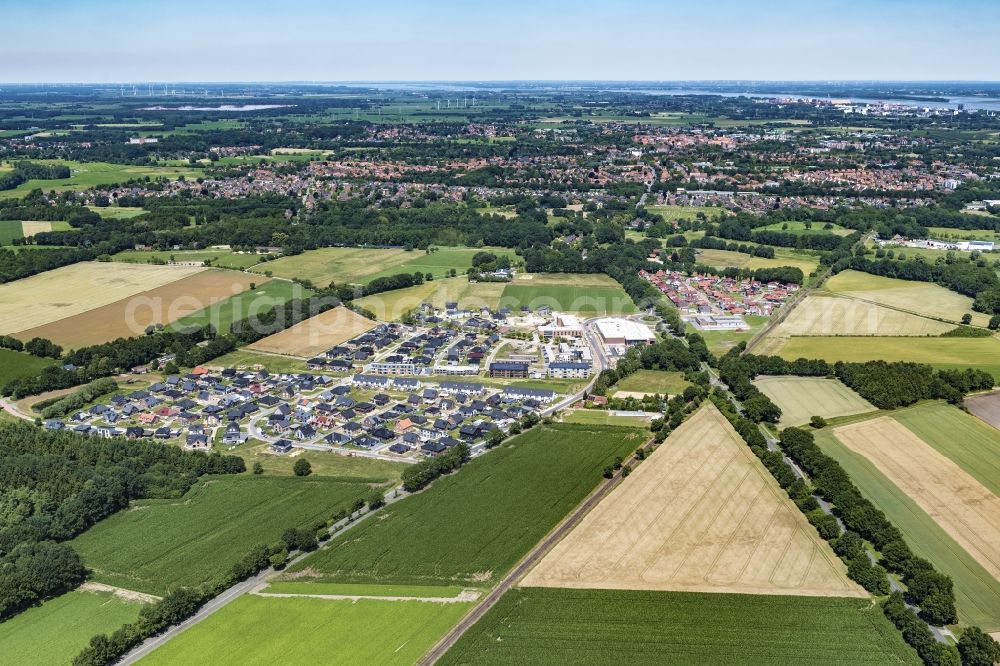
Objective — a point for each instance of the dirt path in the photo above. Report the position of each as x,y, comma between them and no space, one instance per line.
464,597
120,592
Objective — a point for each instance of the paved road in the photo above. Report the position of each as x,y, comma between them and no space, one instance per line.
12,409
523,567
242,588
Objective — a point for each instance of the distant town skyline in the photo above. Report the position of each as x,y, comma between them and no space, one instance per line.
310,40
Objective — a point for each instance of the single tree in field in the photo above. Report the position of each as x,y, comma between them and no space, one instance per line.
302,467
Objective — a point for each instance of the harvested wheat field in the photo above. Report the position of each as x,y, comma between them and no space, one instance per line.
316,334
957,502
29,229
130,316
701,514
830,315
801,398
70,290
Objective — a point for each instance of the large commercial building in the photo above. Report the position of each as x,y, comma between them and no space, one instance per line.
618,331
562,326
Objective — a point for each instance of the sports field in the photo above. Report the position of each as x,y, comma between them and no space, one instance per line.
131,315
84,175
610,627
14,365
304,630
801,398
829,315
723,258
249,302
220,258
982,353
701,514
923,298
316,334
606,417
67,291
56,631
977,592
653,381
156,545
470,527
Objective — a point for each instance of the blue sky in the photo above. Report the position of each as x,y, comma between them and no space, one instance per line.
281,40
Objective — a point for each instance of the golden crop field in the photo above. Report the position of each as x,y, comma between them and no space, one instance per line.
316,334
801,398
70,290
701,514
956,501
131,315
830,315
391,305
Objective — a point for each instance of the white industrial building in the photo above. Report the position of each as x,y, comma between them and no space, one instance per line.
618,331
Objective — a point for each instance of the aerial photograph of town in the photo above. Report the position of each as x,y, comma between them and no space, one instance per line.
511,334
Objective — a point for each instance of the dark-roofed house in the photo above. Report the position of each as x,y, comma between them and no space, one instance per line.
281,446
432,448
509,369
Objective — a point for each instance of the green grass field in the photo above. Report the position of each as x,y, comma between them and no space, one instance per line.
56,631
653,381
117,212
801,398
246,358
157,545
923,298
85,175
439,262
472,526
968,442
782,257
586,300
10,231
256,630
947,233
685,212
719,342
247,303
14,365
323,463
362,265
942,353
220,258
977,593
800,228
610,627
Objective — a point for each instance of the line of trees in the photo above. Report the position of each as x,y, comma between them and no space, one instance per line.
424,472
24,171
54,485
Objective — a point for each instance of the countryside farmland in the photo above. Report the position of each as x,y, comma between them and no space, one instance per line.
160,544
701,515
548,626
131,316
439,537
316,334
801,398
67,622
340,631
